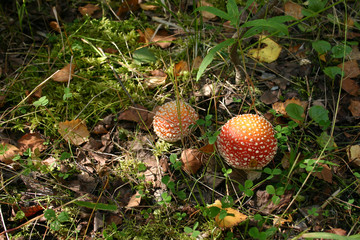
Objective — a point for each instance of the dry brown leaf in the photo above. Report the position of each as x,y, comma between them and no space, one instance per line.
353,153
55,26
206,14
234,216
74,131
127,6
162,38
325,174
157,78
191,160
88,9
280,107
294,10
351,86
269,97
148,7
32,141
134,200
64,74
280,221
354,108
181,67
10,151
138,114
337,231
196,63
351,69
208,149
355,53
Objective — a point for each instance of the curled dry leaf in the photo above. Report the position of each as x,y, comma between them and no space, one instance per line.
294,10
55,26
157,78
267,54
354,108
89,9
74,131
233,218
32,141
191,160
148,7
64,74
9,151
353,153
134,200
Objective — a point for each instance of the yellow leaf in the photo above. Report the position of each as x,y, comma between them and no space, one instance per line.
234,216
267,54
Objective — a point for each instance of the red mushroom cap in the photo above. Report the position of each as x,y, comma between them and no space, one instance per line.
247,142
168,118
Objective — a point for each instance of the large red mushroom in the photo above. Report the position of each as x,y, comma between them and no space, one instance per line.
172,121
247,142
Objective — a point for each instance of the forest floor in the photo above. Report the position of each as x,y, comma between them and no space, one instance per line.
80,86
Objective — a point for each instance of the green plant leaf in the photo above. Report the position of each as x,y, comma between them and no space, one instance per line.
295,111
210,56
332,71
270,189
321,46
144,55
340,51
63,217
49,214
214,11
43,101
324,235
320,115
97,206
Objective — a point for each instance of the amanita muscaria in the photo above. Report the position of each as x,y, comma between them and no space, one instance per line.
247,142
173,119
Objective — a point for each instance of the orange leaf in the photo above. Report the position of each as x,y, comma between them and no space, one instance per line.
55,26
351,69
32,141
74,131
351,86
181,67
209,149
134,200
233,218
88,9
10,152
64,74
354,108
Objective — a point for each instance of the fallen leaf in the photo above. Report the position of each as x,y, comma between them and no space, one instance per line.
266,205
269,97
353,153
161,38
74,131
32,141
208,149
64,74
196,63
280,221
138,114
55,26
88,9
351,69
325,174
111,50
354,108
355,53
148,7
157,78
127,6
206,14
233,218
294,10
280,107
8,152
267,54
350,86
191,160
181,67
337,231
134,200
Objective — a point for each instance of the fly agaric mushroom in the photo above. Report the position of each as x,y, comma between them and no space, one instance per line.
247,142
172,121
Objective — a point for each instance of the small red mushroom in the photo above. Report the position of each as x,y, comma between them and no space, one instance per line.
172,121
247,142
